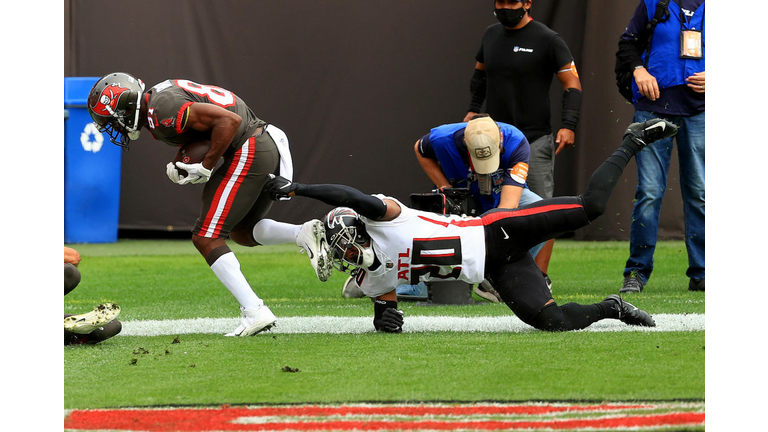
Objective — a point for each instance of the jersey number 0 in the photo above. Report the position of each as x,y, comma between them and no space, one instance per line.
430,256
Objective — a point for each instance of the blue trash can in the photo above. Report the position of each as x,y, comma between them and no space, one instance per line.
91,171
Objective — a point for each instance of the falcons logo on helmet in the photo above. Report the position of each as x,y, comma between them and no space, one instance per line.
337,215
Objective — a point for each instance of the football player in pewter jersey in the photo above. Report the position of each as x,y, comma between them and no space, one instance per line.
384,243
180,111
91,327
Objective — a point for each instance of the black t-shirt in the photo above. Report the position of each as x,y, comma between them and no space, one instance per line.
519,67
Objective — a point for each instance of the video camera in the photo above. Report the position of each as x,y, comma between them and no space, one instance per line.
458,201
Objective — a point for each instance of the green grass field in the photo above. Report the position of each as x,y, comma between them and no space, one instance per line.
160,280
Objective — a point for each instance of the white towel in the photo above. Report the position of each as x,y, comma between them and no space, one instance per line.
281,139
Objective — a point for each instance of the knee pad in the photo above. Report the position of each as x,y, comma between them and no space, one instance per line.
551,318
71,277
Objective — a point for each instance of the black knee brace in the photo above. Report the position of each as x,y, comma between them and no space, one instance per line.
552,318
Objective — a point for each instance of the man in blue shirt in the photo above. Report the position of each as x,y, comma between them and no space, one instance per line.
489,158
669,82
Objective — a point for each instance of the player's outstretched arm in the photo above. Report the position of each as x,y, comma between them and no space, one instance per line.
335,195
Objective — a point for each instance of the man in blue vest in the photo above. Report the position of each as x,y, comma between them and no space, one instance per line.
489,158
669,82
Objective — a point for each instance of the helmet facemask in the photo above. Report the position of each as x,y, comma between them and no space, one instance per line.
123,128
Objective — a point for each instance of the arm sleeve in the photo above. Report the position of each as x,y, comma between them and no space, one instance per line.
345,196
571,108
477,89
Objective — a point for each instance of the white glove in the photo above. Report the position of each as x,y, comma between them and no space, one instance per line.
196,173
172,173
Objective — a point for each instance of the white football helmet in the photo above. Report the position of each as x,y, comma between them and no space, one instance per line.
348,240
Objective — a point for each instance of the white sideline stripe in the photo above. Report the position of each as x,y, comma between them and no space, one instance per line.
413,324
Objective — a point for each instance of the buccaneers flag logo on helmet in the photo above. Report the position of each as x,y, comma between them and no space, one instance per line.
106,104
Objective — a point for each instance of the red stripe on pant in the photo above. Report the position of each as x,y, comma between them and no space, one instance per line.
227,190
492,217
497,215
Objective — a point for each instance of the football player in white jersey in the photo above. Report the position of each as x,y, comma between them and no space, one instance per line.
383,243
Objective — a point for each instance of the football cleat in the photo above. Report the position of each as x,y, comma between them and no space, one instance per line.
312,240
351,290
650,131
630,314
254,321
486,291
86,323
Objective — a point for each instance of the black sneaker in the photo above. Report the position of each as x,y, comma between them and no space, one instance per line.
696,285
629,314
650,131
632,284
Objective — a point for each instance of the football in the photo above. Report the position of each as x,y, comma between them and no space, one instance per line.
192,153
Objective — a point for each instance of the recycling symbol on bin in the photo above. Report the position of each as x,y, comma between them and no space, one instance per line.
91,139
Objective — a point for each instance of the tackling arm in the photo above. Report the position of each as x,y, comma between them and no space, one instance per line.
335,195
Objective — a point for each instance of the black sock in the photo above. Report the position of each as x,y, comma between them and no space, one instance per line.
605,177
624,153
609,308
570,316
581,316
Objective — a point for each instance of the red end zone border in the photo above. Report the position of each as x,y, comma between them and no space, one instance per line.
394,417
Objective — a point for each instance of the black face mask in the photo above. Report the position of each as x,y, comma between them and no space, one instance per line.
509,17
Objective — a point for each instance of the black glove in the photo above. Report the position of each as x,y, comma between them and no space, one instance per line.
391,321
279,187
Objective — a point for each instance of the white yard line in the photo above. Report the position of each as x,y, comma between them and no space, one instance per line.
413,324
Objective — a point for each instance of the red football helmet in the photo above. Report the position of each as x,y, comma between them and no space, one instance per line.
115,104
